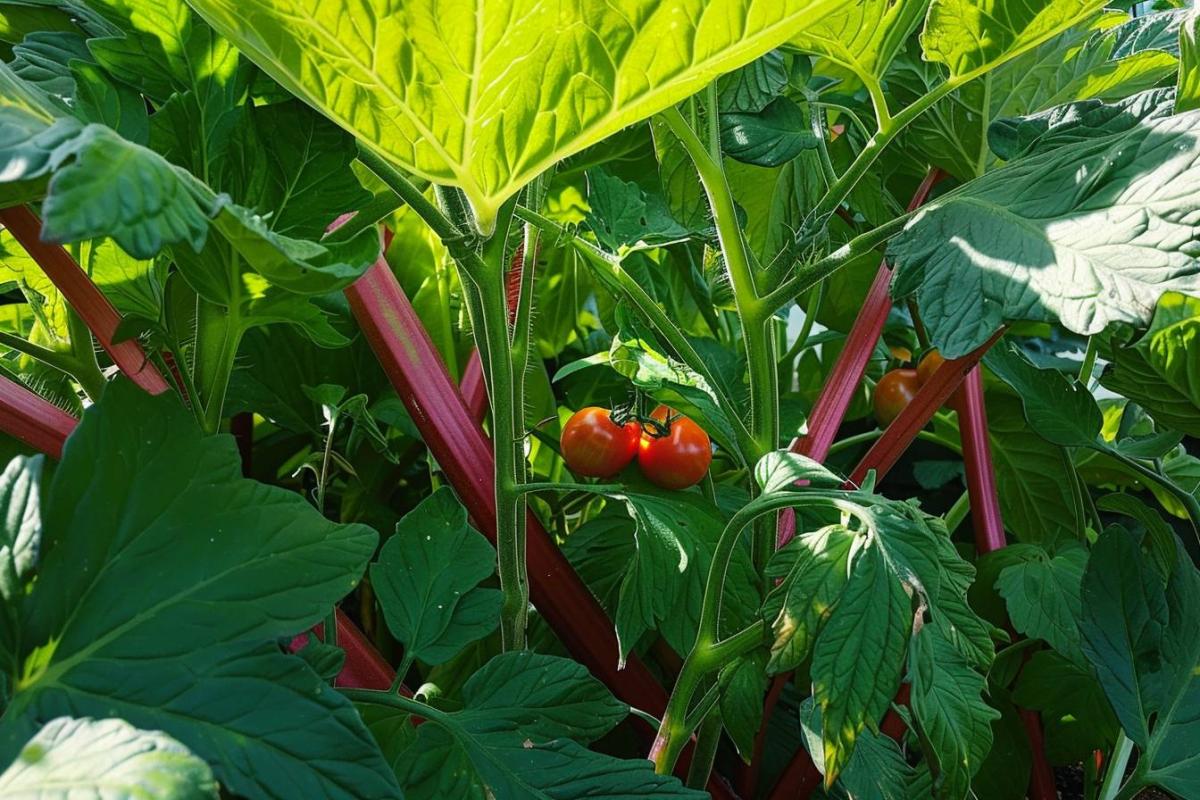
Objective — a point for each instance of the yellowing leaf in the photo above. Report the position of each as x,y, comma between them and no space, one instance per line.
487,95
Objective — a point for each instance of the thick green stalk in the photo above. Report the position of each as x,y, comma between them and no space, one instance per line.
218,334
87,369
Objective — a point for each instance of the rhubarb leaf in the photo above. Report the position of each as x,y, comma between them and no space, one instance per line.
140,493
971,37
105,758
427,579
1161,371
458,109
1020,243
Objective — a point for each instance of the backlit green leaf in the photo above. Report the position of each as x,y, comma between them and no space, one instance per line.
1061,410
458,109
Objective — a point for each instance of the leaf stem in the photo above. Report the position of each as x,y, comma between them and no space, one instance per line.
708,737
1116,767
1089,362
1186,498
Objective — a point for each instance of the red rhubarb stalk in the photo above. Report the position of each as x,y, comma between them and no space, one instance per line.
888,448
88,301
457,442
35,421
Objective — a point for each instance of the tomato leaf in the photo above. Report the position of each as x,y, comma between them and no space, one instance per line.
106,758
781,469
743,682
1042,595
812,569
1073,708
1024,245
484,131
767,138
877,769
1060,409
140,493
427,578
858,658
949,711
20,541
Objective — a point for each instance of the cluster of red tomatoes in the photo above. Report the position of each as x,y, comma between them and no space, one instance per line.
897,388
672,451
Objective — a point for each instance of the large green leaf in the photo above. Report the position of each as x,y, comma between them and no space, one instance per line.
1092,59
164,582
858,43
949,711
427,580
1188,95
1077,717
106,758
434,86
1035,478
1021,243
1161,371
521,733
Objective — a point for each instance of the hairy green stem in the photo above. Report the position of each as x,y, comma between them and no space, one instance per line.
958,512
87,368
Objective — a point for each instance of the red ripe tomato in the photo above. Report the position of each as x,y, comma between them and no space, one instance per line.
929,365
678,459
894,391
596,447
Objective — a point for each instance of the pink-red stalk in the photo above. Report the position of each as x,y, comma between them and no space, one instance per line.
84,297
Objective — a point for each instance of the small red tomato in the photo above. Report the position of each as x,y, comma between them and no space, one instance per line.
894,391
596,447
929,365
678,459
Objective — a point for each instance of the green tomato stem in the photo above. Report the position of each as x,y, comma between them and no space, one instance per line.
1123,749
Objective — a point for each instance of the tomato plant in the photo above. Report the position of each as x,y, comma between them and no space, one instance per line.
313,314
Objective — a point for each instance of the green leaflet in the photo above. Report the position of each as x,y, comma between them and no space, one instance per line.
140,494
1060,409
744,682
521,734
1020,242
372,67
1042,595
105,758
427,578
859,656
1036,484
1074,710
812,569
876,771
1161,371
949,711
768,138
663,584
